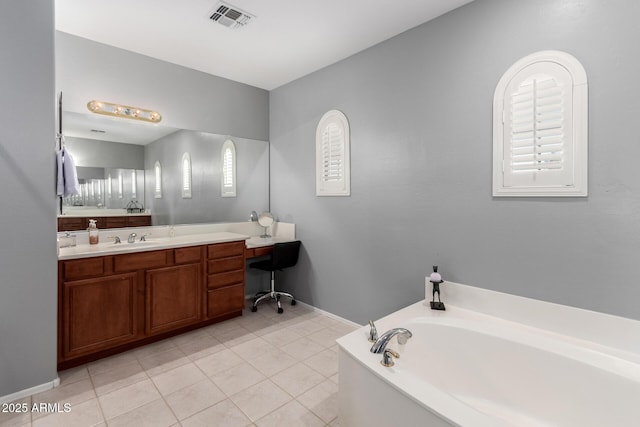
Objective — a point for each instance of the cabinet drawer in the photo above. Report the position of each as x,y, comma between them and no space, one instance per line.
115,222
265,250
90,267
225,279
225,300
139,261
138,221
185,255
223,250
72,224
226,264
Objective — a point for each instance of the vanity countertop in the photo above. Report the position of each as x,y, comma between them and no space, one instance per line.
103,213
108,247
258,242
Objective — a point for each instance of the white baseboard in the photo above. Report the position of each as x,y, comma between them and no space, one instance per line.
318,310
331,315
28,392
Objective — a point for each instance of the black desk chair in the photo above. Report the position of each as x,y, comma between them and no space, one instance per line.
284,255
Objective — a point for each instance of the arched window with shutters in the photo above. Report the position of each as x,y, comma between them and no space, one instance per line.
540,128
228,178
186,176
333,171
157,191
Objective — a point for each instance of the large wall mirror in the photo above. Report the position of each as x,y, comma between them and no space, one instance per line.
117,163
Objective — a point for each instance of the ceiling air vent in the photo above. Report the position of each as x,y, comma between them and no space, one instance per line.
230,16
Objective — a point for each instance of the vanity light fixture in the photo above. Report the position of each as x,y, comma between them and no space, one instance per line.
124,111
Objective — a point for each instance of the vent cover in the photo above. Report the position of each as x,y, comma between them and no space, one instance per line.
230,16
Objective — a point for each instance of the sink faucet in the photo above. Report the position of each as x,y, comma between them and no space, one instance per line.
381,344
131,238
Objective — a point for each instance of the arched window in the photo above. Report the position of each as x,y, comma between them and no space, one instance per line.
157,191
228,178
540,127
186,176
333,174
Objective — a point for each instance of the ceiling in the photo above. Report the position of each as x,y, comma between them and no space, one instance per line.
286,40
114,129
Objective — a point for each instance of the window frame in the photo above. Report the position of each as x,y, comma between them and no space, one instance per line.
157,172
187,176
342,186
578,121
228,191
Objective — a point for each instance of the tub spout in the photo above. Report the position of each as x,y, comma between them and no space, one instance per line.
381,344
373,332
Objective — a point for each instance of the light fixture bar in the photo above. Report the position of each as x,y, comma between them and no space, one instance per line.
124,111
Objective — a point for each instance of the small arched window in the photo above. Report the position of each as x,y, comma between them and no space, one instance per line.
333,174
540,127
157,191
228,178
186,176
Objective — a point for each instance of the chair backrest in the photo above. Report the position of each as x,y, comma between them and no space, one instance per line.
285,255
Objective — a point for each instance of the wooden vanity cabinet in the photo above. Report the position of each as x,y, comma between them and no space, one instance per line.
112,303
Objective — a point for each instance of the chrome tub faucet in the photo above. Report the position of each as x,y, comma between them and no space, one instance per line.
381,344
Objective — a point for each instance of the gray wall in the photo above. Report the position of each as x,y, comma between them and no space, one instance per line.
28,286
420,111
187,99
206,204
105,154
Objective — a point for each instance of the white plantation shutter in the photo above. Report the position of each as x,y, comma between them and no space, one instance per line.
332,155
157,193
228,169
540,128
186,176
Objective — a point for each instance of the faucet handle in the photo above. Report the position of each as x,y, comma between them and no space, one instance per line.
143,238
387,357
373,332
116,239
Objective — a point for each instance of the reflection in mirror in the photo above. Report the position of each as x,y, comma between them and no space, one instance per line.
110,188
109,151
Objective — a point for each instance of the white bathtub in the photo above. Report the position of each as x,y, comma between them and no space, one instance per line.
467,368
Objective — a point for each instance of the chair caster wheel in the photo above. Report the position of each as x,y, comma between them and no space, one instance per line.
254,309
293,302
280,310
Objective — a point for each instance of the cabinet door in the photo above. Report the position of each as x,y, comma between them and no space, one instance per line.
229,299
173,297
98,314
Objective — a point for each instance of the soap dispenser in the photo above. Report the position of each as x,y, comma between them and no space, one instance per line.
94,237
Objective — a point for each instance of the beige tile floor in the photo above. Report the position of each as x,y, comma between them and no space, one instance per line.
261,369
